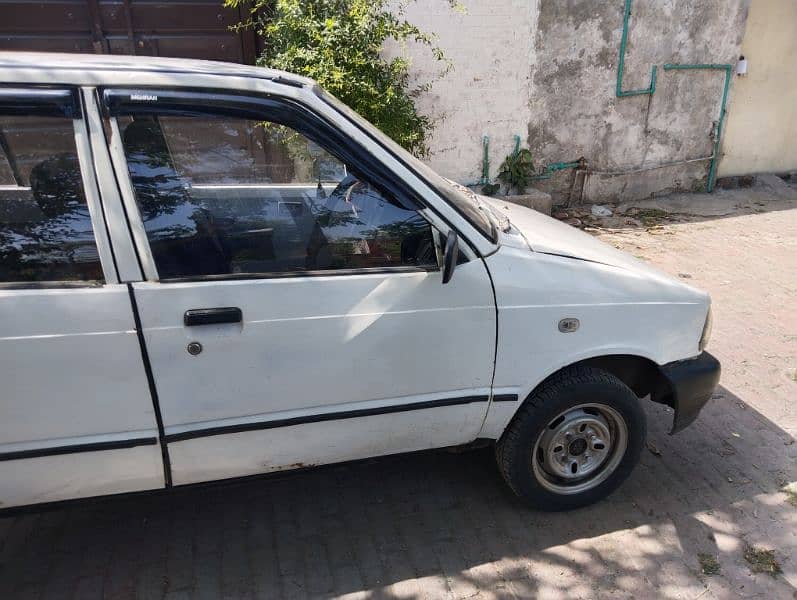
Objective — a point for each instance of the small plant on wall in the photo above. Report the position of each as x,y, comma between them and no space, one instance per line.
516,172
340,44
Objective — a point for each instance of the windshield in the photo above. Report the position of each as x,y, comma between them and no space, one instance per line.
466,204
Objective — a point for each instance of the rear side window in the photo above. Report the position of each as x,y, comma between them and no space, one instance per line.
45,228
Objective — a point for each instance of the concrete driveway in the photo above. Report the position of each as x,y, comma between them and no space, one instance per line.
438,525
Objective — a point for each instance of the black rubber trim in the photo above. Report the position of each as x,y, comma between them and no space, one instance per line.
299,274
40,102
318,418
505,398
692,384
153,391
77,448
47,285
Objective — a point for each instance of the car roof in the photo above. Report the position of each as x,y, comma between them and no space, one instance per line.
53,61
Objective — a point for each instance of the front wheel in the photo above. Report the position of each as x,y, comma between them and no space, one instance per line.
573,441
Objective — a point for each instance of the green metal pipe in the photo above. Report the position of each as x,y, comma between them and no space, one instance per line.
549,170
651,89
517,146
712,171
689,67
485,180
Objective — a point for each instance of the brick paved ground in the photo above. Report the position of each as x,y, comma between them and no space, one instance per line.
440,525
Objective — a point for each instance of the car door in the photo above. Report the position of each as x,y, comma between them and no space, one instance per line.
293,308
76,417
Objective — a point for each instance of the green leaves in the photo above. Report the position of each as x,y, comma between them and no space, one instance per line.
517,170
339,43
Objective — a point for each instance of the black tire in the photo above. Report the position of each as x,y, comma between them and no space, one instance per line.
572,392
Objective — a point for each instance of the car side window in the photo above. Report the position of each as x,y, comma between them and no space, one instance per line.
45,227
231,196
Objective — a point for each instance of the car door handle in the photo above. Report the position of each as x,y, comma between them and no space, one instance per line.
212,316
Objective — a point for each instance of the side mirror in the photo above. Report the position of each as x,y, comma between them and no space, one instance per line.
450,255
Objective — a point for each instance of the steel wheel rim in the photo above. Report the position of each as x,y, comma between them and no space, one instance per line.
580,448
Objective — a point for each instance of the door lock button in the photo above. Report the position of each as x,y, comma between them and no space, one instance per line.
194,348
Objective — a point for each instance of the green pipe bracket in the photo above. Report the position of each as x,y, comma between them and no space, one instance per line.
651,89
728,69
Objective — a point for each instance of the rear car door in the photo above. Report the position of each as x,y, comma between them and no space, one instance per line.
293,308
76,416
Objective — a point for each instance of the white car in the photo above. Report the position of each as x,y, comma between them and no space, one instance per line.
211,271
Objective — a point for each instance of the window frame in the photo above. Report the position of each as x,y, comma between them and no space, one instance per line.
63,101
116,101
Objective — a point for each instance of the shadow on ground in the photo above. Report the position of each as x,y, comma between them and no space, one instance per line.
432,525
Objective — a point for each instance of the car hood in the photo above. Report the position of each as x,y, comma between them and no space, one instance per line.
544,234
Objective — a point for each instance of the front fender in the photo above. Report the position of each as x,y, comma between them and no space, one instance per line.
506,400
619,311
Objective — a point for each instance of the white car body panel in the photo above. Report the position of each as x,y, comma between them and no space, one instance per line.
620,313
69,476
72,376
624,306
319,344
364,348
312,444
64,332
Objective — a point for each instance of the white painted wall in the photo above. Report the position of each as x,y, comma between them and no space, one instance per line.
491,47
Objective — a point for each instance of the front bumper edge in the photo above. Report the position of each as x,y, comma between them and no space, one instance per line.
692,382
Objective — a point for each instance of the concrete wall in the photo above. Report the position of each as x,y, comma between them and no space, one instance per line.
761,135
546,70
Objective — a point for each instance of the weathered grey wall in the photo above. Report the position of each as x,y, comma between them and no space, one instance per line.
546,70
575,111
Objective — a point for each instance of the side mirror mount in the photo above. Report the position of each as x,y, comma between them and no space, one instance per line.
450,255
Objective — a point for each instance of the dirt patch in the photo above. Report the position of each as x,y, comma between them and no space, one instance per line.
762,561
650,217
709,565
